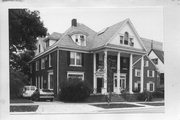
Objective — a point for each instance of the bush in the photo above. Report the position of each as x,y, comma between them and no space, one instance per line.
159,93
17,81
127,96
74,91
145,96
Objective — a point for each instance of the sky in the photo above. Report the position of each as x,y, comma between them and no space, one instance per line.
148,21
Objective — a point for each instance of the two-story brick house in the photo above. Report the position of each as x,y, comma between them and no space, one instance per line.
81,53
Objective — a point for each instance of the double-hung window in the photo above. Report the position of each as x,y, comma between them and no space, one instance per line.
75,59
137,72
37,65
50,57
150,73
150,86
146,63
43,63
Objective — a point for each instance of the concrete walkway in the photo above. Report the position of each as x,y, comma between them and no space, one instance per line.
74,108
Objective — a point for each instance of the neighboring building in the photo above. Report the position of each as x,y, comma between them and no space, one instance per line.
157,56
150,74
81,53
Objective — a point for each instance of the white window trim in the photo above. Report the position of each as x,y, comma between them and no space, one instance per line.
146,63
75,73
148,86
152,73
42,60
75,62
37,65
50,65
136,84
50,73
124,40
137,70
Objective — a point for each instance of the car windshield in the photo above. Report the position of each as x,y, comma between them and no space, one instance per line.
46,90
33,88
29,87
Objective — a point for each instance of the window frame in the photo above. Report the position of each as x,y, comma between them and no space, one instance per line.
37,65
75,59
43,63
146,63
50,60
148,73
75,73
49,81
136,73
155,61
148,86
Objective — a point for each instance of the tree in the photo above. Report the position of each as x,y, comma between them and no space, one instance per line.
24,28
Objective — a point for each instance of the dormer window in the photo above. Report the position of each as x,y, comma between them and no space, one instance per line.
79,39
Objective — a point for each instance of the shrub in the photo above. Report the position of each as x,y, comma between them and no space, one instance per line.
17,81
127,96
145,96
159,93
74,91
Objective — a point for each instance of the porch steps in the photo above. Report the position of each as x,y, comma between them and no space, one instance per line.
117,98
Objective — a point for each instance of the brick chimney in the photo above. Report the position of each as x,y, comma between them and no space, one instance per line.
74,22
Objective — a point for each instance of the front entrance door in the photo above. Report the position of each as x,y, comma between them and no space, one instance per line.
99,84
122,82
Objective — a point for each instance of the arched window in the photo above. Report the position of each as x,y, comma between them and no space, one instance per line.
126,38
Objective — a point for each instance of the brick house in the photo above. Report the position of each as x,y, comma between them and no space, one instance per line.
81,53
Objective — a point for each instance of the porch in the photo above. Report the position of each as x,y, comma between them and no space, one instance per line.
113,71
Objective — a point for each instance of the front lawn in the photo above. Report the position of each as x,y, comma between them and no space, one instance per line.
20,100
27,108
120,105
153,104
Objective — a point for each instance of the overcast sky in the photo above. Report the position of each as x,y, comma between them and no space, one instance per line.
148,21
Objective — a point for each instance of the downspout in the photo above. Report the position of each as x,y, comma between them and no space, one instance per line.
57,71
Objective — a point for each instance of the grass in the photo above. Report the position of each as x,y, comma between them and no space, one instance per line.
27,108
120,105
153,104
20,100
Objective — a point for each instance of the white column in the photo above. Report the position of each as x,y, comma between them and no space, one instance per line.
142,74
94,73
130,74
118,72
105,72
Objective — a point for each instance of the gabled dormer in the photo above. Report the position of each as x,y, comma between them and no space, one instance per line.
79,39
77,35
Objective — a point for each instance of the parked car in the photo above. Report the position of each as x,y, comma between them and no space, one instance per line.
43,94
28,91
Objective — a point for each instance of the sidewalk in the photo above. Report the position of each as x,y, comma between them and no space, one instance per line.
57,107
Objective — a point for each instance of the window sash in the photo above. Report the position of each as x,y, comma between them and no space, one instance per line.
146,63
137,72
150,73
50,63
43,63
75,59
37,65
